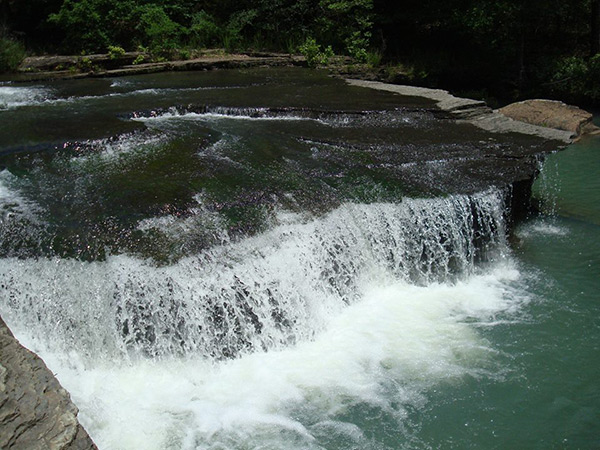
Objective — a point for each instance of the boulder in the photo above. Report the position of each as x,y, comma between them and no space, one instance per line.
551,114
36,413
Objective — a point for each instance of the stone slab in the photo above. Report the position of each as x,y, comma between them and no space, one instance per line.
36,413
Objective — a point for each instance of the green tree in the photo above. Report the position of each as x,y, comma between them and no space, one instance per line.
84,24
347,25
204,31
122,19
509,46
157,30
239,25
12,53
595,27
284,24
27,20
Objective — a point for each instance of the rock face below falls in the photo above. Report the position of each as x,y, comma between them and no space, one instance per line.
35,411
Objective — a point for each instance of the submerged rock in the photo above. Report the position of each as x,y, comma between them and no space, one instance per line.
35,411
551,114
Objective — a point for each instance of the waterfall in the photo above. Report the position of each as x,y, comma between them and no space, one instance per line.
260,293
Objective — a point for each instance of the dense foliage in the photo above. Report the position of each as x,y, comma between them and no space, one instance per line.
11,54
508,47
511,47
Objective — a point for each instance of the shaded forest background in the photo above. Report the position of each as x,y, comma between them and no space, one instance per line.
505,49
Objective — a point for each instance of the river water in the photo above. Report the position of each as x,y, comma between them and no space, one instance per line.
269,259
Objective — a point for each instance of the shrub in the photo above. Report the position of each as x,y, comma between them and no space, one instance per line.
160,33
577,77
139,59
11,54
347,24
374,58
85,64
313,53
356,45
405,73
291,45
115,52
204,32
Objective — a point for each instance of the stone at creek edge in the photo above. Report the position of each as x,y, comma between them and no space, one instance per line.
551,114
36,413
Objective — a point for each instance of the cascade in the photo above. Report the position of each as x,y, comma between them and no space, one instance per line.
259,293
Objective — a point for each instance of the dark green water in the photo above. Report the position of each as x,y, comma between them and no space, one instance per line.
100,156
549,394
270,259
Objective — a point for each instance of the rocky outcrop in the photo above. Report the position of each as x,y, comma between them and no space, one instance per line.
497,122
36,413
551,114
514,169
475,112
462,107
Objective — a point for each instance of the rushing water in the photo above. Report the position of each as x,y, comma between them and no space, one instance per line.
269,266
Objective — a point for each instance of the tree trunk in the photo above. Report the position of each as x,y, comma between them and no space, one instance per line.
595,35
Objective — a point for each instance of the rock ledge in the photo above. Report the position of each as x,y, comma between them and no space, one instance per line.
36,413
548,119
551,114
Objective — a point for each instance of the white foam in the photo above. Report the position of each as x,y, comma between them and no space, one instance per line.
266,291
218,116
122,84
198,224
5,193
114,150
336,119
218,113
385,351
16,96
320,316
219,150
542,227
86,98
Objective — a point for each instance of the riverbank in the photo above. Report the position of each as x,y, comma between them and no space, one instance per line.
44,68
